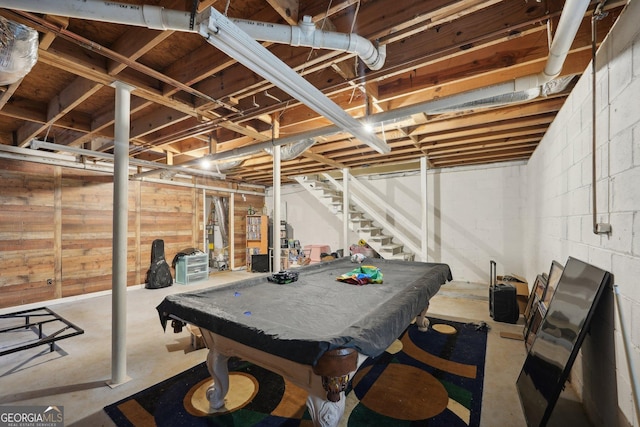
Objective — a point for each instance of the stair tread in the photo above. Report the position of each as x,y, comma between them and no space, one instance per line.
359,222
381,237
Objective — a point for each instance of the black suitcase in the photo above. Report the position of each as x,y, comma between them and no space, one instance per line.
503,303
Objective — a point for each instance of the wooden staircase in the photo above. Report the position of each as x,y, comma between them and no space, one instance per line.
382,236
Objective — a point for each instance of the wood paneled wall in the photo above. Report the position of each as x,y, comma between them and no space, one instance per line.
56,229
29,233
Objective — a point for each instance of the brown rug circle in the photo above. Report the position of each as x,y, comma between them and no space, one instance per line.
242,389
389,395
444,329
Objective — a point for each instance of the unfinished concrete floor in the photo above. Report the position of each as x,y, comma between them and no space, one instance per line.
77,373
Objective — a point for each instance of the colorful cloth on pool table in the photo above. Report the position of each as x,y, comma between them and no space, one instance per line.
362,275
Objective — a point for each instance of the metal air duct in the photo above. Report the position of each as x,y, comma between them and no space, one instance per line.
18,51
292,150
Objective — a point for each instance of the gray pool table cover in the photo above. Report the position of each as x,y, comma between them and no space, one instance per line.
301,320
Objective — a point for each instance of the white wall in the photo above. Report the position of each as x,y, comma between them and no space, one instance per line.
311,222
475,216
559,214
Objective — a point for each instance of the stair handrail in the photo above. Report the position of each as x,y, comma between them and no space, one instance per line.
380,219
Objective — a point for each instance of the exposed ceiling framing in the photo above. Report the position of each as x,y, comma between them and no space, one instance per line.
191,100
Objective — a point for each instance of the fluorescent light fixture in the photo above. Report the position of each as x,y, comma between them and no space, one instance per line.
226,36
205,163
368,127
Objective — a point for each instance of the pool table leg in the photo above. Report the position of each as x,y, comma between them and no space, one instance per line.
325,413
335,367
219,371
422,320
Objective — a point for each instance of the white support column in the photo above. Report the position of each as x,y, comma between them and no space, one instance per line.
276,208
232,230
276,197
345,211
205,244
424,209
120,216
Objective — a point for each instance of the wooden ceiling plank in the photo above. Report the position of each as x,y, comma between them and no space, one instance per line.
498,142
322,159
435,49
155,120
137,41
498,114
488,158
529,147
543,120
486,138
134,44
287,9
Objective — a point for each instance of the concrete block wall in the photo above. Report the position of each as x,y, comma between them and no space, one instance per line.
475,215
559,216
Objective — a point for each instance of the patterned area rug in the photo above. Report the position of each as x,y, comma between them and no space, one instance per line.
431,378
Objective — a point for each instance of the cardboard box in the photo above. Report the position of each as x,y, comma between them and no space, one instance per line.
315,252
522,289
197,342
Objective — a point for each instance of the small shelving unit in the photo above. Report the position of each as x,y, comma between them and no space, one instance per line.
284,235
192,268
257,236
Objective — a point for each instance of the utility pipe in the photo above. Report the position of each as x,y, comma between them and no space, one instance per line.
305,34
572,15
159,18
597,228
203,187
154,17
37,144
120,216
570,19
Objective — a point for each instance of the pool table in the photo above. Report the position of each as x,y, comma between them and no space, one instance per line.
315,331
